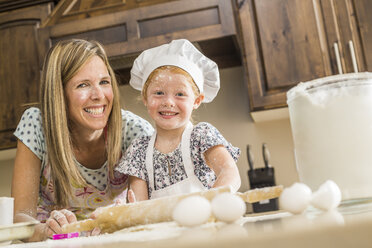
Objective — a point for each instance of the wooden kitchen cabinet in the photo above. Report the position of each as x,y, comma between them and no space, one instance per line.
20,64
28,28
126,28
285,42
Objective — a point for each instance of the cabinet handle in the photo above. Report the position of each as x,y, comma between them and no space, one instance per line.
338,60
353,58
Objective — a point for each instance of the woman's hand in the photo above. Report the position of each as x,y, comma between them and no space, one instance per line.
57,219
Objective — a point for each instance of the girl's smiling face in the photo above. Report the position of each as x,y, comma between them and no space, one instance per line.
89,96
170,100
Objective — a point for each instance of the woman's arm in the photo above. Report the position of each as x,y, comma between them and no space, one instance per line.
139,188
25,190
223,165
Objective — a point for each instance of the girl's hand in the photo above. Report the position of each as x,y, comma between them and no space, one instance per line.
57,219
131,196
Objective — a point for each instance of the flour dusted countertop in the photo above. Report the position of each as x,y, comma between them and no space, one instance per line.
349,226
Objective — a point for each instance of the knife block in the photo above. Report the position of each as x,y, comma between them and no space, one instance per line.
259,178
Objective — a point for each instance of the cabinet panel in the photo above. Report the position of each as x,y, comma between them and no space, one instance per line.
20,67
363,10
283,43
127,33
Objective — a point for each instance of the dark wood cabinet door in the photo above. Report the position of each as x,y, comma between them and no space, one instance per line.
290,41
346,23
19,67
283,43
363,9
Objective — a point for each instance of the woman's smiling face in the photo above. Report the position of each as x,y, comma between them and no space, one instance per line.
170,100
89,96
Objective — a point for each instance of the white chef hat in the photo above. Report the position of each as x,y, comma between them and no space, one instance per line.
183,54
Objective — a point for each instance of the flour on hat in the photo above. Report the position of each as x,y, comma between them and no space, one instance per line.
183,54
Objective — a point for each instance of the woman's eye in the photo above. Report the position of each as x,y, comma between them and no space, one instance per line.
104,82
81,85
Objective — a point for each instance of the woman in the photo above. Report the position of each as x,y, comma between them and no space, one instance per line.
67,150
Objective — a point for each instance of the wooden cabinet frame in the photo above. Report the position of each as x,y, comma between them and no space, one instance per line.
141,28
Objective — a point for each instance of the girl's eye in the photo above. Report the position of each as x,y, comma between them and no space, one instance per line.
159,93
180,94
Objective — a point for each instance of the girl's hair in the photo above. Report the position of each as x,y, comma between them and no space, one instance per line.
62,63
172,69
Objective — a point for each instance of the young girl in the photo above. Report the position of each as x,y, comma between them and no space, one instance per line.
175,79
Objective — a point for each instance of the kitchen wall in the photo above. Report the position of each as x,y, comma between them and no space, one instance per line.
229,112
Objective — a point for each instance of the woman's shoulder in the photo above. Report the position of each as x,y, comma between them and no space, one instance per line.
129,116
134,127
31,117
33,111
134,121
30,131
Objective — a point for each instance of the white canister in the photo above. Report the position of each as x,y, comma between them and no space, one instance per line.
6,211
331,121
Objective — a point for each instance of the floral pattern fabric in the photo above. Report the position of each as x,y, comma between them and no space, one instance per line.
168,168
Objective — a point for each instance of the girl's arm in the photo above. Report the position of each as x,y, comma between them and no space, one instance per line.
223,165
25,190
139,188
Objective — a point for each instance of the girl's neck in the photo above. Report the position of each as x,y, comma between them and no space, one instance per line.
168,140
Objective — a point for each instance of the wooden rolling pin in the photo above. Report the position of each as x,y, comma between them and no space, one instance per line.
113,218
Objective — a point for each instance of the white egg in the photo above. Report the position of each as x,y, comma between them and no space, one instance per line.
327,197
228,207
192,211
295,199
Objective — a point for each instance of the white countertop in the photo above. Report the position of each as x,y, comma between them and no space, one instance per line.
348,226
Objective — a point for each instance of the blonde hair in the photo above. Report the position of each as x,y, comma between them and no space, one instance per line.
62,62
172,69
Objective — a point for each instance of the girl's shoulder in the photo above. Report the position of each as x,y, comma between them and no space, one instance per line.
205,136
204,128
141,142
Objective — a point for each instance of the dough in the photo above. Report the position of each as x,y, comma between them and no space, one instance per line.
228,207
295,199
327,197
192,211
